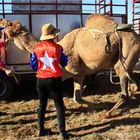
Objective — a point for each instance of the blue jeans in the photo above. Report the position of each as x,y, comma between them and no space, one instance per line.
50,87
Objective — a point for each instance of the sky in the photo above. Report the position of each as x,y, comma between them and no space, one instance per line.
107,1
129,11
115,9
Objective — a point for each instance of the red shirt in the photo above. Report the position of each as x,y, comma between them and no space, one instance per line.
48,58
2,46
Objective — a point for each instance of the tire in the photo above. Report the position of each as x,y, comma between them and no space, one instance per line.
7,86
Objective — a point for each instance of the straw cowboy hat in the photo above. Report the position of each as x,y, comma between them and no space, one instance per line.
49,32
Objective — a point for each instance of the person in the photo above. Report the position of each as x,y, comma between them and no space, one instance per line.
2,48
46,60
3,67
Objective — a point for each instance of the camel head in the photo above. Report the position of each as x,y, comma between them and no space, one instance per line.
16,31
12,28
6,23
15,26
3,22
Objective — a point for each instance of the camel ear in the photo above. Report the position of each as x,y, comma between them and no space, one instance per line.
3,22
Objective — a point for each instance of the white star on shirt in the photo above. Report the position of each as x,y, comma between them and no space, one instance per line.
47,61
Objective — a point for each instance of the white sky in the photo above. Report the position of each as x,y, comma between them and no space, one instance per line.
117,9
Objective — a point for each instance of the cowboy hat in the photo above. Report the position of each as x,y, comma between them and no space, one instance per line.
49,32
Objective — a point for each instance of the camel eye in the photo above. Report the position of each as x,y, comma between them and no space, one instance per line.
10,24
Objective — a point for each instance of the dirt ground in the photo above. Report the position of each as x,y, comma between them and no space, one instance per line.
19,118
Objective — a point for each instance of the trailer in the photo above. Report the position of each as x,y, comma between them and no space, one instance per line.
64,14
136,15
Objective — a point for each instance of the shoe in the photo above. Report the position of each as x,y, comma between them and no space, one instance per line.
3,113
64,136
44,132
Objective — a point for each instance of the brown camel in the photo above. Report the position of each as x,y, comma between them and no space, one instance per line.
22,38
97,46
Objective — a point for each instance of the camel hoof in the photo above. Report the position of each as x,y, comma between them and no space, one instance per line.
103,115
132,88
124,98
106,115
81,102
112,114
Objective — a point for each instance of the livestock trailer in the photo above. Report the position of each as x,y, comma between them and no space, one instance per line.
64,14
136,15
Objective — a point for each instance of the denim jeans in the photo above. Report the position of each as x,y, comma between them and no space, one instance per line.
50,87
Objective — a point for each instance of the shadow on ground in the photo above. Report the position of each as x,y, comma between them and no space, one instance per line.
95,84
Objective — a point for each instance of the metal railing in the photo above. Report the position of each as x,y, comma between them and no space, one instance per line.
58,6
136,15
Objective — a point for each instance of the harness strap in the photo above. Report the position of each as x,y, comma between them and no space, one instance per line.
121,58
107,35
95,30
108,44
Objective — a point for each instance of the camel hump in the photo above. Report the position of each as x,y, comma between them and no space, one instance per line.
101,22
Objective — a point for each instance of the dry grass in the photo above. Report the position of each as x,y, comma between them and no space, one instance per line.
82,122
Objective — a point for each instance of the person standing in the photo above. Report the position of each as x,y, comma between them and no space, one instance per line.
46,60
3,67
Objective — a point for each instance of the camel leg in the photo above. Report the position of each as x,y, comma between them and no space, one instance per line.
77,92
124,88
132,85
129,64
124,94
124,85
78,88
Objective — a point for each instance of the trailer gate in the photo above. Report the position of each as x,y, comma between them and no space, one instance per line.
64,14
136,15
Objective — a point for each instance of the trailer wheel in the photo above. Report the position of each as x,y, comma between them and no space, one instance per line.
7,86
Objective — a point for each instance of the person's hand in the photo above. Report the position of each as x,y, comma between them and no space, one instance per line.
6,40
8,72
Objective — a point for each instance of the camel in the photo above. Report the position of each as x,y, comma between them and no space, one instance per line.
90,49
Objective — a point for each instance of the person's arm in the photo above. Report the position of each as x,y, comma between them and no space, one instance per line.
2,44
33,61
1,65
63,58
